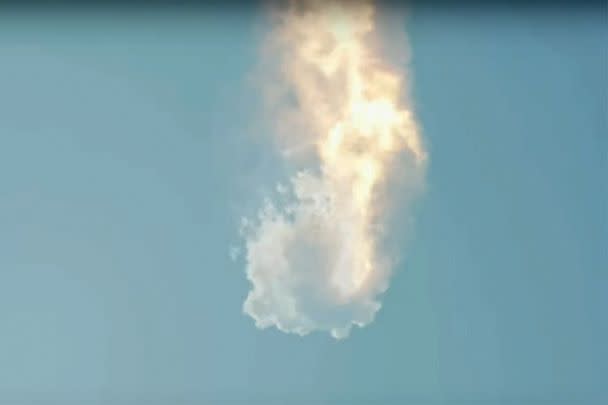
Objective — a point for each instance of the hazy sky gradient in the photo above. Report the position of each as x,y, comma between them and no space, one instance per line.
130,147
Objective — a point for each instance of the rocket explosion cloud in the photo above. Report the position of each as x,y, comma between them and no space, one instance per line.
315,259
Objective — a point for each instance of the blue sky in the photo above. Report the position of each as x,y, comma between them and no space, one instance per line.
130,147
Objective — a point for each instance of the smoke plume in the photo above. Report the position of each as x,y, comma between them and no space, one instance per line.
314,253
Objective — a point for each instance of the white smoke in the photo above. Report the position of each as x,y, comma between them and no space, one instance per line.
292,254
314,257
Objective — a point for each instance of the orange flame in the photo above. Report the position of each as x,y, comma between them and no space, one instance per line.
352,101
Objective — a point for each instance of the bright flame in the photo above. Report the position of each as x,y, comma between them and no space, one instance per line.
352,101
315,264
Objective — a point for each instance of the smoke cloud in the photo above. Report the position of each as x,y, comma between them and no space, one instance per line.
314,253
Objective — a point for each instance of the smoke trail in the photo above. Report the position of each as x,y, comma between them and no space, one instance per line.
315,259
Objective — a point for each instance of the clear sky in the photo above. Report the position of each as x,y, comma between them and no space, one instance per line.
130,148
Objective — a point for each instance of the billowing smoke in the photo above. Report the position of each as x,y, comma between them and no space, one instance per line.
314,254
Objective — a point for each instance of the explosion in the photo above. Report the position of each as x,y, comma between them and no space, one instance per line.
315,261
